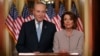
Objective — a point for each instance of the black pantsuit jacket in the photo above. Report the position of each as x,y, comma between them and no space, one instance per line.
28,41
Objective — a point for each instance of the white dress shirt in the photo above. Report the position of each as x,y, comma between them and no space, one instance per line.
36,24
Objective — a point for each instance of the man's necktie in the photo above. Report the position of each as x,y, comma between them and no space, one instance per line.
38,31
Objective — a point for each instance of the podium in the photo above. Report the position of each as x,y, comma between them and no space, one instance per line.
48,54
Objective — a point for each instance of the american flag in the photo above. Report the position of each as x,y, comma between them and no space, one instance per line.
48,14
55,18
61,10
79,22
12,21
52,16
26,14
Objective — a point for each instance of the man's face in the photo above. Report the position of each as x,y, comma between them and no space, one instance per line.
39,12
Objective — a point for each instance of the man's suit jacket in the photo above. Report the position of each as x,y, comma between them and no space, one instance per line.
28,40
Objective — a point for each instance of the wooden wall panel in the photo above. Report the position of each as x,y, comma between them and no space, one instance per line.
2,27
96,27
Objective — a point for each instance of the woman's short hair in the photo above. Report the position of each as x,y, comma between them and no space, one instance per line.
73,17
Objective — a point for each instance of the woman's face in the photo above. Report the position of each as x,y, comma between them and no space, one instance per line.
68,22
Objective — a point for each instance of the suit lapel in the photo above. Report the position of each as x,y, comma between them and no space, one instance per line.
44,28
34,33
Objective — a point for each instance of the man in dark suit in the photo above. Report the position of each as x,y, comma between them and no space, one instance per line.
29,40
